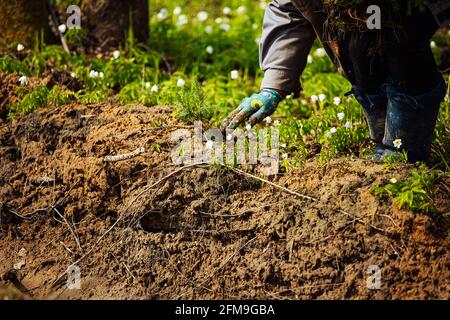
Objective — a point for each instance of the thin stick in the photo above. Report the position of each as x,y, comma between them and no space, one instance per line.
272,184
70,228
360,220
390,218
124,156
55,24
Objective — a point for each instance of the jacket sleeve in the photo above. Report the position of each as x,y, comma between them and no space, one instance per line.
285,44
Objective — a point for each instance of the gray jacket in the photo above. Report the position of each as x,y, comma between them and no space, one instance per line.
289,30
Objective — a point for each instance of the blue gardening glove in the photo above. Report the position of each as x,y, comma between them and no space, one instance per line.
255,109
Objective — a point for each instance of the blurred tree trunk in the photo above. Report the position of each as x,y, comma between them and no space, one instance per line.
108,21
20,20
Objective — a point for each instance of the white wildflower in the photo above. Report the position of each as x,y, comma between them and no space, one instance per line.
73,75
162,14
208,29
181,83
226,11
241,10
209,49
285,155
320,52
283,145
154,88
23,80
337,101
147,85
333,130
276,123
348,125
433,44
310,59
182,20
20,47
393,181
234,74
62,28
322,97
341,116
116,54
314,98
202,16
93,74
225,27
177,11
268,120
218,20
397,143
248,127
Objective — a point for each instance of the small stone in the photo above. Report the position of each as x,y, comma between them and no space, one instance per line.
19,264
22,252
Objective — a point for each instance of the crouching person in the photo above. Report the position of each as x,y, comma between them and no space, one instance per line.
392,70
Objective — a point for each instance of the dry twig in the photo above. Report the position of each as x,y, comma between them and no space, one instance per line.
124,156
72,231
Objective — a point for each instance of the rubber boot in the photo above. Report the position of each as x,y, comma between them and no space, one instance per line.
410,120
374,106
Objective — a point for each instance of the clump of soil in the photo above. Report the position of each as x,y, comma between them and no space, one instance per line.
202,232
8,83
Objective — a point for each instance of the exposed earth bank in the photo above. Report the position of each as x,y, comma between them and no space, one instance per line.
202,232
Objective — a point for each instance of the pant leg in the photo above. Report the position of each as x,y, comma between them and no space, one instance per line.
368,69
417,88
367,72
406,48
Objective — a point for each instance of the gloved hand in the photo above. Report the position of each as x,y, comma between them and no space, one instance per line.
255,109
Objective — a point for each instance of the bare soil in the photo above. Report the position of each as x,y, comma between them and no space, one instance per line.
202,232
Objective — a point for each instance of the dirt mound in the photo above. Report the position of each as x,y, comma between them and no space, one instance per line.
201,232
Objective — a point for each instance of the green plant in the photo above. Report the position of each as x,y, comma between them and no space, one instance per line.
32,100
91,97
413,193
75,37
59,95
11,65
190,104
